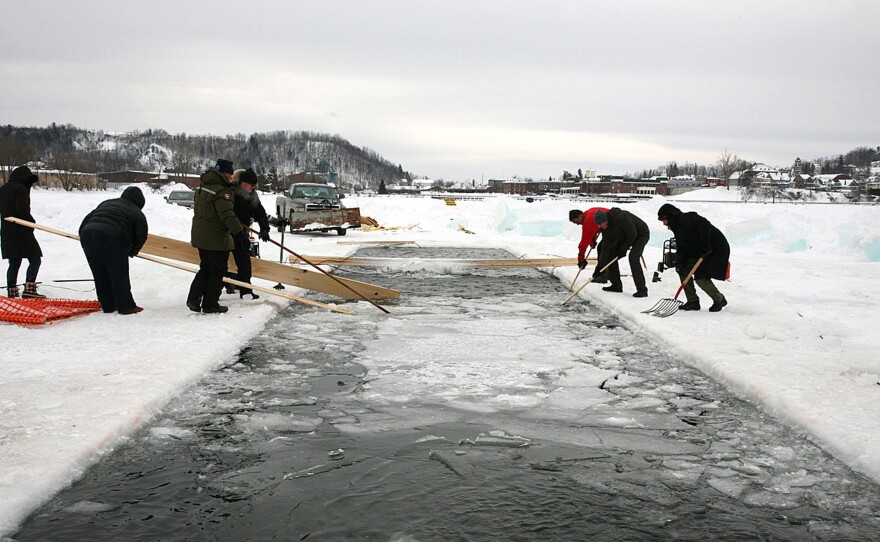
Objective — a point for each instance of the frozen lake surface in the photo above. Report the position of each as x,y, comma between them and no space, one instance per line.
479,409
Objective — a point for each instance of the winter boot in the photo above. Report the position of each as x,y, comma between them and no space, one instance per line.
30,291
242,293
12,291
718,305
691,306
641,293
219,309
613,288
230,288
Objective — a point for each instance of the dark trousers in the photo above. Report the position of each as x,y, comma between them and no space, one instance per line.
635,265
108,259
242,258
15,265
205,289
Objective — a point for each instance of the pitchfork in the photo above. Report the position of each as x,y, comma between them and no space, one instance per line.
668,307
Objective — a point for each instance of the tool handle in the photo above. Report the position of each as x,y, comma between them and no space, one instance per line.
687,278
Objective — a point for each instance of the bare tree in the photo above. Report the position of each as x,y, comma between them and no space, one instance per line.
68,168
14,153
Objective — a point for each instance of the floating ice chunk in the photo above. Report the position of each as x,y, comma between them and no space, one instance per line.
88,507
769,499
170,432
502,440
732,487
620,422
278,423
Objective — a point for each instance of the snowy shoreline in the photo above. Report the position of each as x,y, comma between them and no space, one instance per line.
794,340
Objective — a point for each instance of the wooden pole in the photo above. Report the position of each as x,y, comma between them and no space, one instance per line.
589,281
35,226
362,296
580,269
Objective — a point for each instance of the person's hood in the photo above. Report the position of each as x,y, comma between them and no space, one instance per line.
669,212
134,195
23,175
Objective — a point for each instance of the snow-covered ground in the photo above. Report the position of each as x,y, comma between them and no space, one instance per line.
797,338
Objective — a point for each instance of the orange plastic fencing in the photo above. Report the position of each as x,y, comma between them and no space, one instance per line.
35,312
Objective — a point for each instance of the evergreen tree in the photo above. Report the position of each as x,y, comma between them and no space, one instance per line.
382,189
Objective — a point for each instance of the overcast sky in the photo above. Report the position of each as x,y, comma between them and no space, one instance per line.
462,89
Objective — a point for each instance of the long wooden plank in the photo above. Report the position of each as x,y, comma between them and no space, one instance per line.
397,262
269,291
174,249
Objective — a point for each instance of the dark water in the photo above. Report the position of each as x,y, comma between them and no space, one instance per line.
439,422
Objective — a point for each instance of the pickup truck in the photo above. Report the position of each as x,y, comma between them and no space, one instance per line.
315,207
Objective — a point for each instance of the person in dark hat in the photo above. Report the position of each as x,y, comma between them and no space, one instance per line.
214,226
622,233
109,235
589,231
18,242
697,238
248,208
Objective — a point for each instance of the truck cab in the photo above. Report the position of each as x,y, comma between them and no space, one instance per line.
315,207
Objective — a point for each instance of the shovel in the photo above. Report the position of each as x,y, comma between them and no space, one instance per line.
589,281
668,307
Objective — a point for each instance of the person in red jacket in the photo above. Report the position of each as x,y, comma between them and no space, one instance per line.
590,230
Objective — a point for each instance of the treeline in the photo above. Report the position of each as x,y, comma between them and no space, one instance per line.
860,157
273,155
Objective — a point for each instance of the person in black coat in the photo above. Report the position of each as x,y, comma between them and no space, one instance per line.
622,232
248,209
111,234
697,238
18,242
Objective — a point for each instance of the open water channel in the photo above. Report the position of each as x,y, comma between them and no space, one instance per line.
480,409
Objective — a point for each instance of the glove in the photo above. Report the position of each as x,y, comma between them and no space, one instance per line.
241,240
264,235
582,264
621,255
706,253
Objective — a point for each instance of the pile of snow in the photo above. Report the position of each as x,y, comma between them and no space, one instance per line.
795,338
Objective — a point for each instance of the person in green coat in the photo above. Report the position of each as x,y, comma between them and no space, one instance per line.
213,227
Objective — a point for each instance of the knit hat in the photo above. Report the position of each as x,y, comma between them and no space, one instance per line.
600,217
248,176
224,166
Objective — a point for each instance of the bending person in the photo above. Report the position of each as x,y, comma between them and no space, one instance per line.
589,231
697,238
622,232
111,234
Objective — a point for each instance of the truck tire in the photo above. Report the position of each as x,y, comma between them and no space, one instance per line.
341,231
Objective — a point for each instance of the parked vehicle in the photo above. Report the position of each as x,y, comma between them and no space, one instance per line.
185,198
315,207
